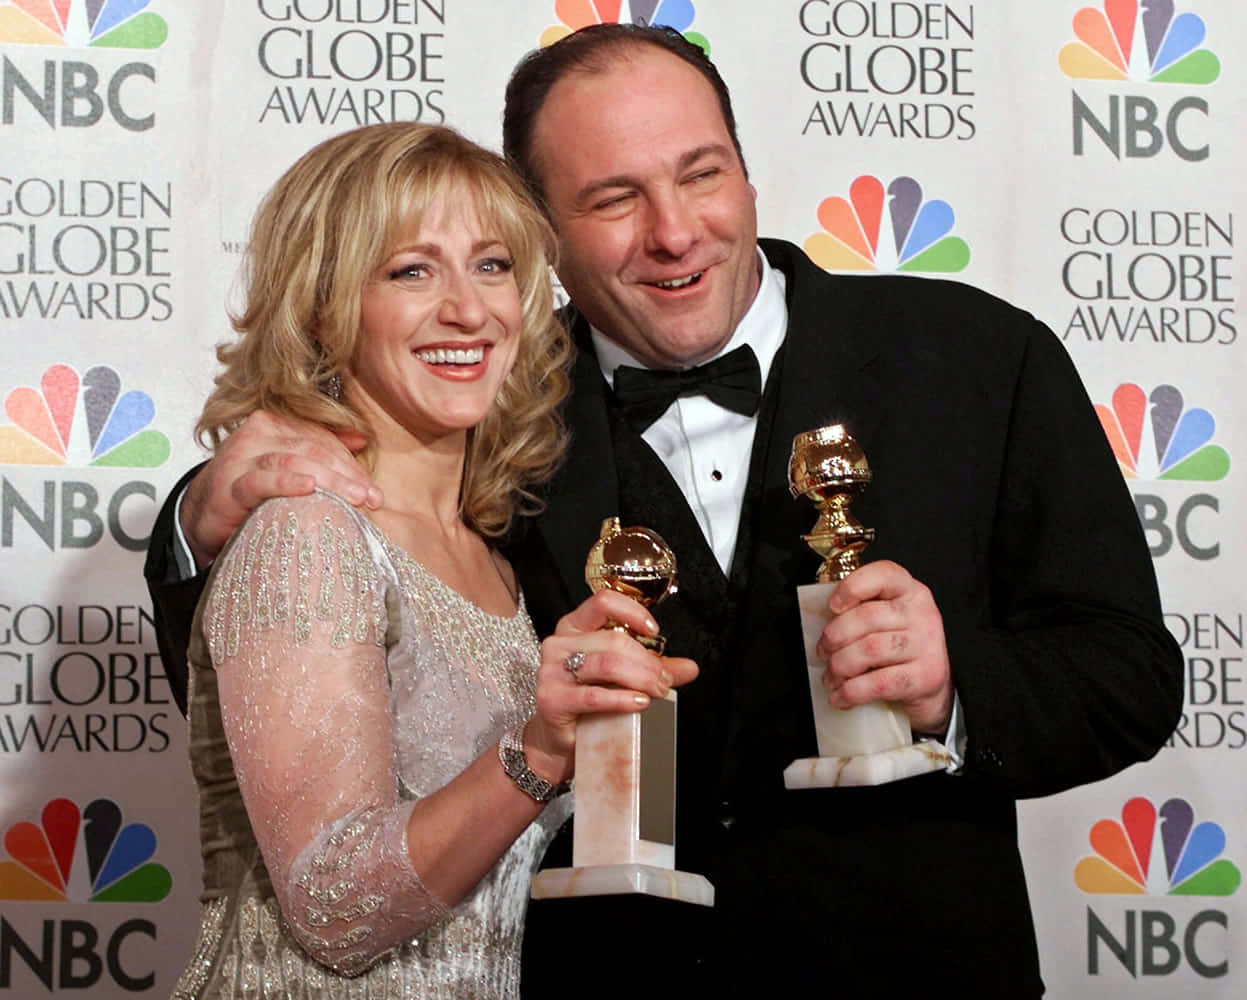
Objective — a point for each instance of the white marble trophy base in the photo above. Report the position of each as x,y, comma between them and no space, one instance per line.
618,880
877,768
866,745
624,834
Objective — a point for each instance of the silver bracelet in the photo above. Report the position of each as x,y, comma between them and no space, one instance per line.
515,764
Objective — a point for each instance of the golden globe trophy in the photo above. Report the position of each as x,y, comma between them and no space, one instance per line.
868,744
624,836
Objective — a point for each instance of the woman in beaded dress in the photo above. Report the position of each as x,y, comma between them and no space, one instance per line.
376,734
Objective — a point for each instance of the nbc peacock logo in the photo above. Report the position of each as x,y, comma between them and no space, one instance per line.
109,24
1158,853
576,14
69,420
920,228
77,856
1156,436
1148,41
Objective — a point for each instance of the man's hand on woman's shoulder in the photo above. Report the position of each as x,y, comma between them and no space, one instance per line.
268,456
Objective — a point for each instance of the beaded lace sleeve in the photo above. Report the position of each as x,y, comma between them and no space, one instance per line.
297,626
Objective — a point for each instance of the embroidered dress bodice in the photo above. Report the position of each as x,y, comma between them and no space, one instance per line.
334,682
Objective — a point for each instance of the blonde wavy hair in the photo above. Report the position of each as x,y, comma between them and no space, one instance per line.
322,232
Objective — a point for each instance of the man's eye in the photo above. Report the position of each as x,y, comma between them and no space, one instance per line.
612,202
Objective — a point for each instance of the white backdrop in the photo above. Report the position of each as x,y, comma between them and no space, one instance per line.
1083,162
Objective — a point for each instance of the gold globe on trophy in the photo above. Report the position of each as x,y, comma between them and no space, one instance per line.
829,468
635,562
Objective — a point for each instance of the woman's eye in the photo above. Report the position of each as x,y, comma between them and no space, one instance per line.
409,271
496,265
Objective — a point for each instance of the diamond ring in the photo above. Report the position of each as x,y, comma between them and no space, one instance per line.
572,664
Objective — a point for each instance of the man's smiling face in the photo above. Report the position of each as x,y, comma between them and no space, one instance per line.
656,219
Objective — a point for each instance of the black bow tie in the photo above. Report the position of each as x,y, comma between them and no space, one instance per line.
733,381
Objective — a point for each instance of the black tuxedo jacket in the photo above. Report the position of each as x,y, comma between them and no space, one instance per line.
994,486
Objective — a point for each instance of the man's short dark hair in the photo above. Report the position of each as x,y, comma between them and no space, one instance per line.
591,50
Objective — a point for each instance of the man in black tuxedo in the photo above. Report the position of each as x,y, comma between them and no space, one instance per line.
1009,604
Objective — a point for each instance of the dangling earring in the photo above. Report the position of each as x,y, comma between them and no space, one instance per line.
333,386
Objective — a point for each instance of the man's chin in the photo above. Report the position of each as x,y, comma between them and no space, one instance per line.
683,350
666,338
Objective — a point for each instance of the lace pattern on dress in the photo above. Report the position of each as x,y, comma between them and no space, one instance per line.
350,682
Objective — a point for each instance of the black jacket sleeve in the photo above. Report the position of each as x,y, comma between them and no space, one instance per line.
1074,675
173,599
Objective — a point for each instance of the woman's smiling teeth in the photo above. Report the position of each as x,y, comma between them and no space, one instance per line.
452,356
679,282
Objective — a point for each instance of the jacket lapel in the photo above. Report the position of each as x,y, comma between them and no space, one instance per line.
824,376
586,490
